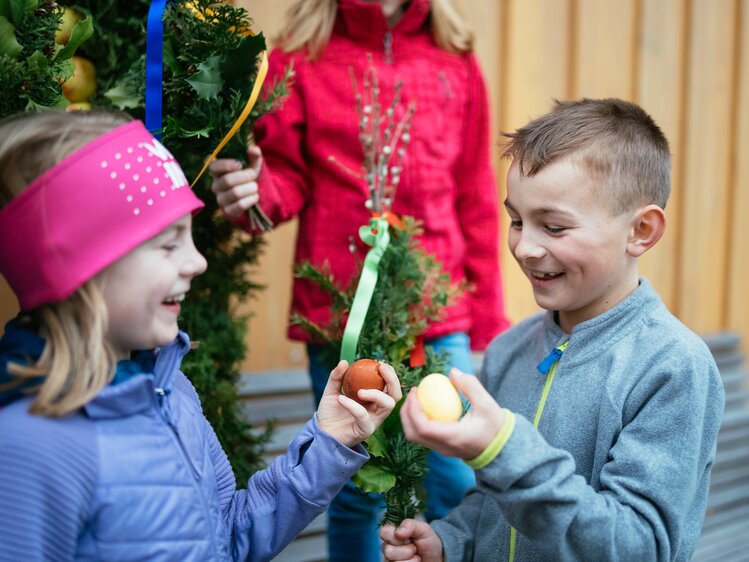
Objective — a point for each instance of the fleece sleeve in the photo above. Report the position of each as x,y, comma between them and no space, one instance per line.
651,492
478,215
283,184
283,499
48,470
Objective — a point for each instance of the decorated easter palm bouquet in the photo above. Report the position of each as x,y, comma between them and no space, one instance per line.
385,312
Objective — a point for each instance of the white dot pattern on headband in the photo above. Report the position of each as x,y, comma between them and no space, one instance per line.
134,186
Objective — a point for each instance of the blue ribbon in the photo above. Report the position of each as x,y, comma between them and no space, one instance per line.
154,66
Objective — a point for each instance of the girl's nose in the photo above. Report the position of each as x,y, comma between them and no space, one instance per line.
195,264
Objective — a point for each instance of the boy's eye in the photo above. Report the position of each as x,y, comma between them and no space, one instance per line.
555,229
516,223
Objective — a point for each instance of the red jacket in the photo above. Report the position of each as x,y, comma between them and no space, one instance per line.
447,180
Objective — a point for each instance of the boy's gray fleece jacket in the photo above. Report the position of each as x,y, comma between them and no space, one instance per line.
619,467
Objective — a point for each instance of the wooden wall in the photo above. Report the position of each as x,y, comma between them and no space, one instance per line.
685,61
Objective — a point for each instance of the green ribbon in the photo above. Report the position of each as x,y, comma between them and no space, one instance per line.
377,235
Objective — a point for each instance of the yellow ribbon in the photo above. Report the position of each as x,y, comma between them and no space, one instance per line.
259,79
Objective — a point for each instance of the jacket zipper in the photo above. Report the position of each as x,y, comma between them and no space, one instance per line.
162,394
547,367
164,409
388,43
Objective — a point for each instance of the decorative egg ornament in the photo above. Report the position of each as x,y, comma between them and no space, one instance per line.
364,373
439,399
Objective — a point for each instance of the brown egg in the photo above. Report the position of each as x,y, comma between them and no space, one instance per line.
364,373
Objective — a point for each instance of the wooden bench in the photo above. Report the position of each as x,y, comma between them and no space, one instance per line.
286,397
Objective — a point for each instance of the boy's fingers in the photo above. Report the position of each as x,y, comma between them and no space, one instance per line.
469,386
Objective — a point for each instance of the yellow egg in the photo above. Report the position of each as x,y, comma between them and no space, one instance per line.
439,399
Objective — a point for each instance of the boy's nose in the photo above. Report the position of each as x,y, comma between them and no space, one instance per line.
527,248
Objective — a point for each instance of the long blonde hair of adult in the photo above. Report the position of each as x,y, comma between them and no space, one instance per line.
77,361
309,24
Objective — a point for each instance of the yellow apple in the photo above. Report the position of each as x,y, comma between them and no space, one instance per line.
82,85
439,399
70,17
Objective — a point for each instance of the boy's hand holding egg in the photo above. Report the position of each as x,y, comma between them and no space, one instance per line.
439,399
431,415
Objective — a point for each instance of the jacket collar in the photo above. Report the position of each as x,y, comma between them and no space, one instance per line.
599,334
143,391
364,21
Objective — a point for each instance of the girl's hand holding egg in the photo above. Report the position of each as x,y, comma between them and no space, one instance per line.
431,415
371,391
362,374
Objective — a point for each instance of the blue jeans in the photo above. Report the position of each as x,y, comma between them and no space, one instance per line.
354,516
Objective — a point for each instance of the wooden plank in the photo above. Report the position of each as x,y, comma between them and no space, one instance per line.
660,91
281,408
605,51
305,549
707,165
281,381
538,31
737,303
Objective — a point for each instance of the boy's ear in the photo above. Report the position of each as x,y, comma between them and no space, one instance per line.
648,225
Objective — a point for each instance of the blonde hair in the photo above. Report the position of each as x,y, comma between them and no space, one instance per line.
309,24
77,362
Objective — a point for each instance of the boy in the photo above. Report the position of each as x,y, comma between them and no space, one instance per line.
611,406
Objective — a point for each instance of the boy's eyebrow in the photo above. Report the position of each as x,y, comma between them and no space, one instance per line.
541,211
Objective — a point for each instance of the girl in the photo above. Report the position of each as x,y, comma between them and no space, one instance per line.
105,451
447,183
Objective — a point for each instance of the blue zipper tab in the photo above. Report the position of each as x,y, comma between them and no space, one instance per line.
545,366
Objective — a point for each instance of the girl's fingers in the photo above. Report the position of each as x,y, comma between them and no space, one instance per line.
392,383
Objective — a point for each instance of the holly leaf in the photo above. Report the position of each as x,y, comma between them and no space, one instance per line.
9,45
371,478
122,98
37,62
17,9
248,50
207,81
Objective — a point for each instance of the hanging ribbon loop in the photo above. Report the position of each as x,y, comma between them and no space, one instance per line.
377,235
154,66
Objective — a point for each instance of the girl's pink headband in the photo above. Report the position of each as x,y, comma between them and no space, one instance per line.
88,211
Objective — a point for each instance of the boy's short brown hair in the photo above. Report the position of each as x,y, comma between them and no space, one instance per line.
616,141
